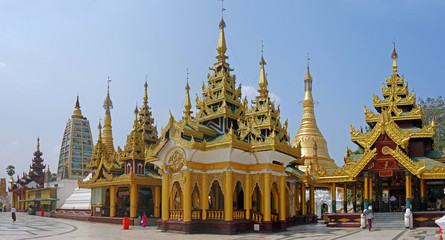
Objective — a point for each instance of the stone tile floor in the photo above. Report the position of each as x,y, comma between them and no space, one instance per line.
35,227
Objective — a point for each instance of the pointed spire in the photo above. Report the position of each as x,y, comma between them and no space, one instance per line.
308,74
145,94
108,104
77,113
221,48
38,144
135,124
100,131
263,80
394,56
188,103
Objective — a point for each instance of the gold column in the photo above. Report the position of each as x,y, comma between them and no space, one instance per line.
408,198
112,201
267,197
303,199
187,176
204,203
247,196
165,193
362,197
366,194
423,195
370,190
334,198
295,199
228,196
133,200
312,199
282,198
157,202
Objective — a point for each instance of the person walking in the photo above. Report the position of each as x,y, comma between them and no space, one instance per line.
369,216
393,203
13,211
144,220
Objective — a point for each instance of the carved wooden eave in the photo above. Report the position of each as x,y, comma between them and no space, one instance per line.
437,172
416,168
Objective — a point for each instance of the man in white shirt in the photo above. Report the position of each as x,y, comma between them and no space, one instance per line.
13,211
393,201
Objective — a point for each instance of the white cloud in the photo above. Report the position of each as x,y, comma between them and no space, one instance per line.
251,92
2,64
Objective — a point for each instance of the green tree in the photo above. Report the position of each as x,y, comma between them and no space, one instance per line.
434,108
10,170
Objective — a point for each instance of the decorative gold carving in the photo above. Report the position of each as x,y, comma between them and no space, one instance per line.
385,150
176,161
219,177
415,168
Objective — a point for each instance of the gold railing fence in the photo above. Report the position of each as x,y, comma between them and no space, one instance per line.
256,216
196,214
239,214
176,214
215,214
274,217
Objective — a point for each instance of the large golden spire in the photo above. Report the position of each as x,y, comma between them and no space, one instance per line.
77,113
309,134
108,132
263,80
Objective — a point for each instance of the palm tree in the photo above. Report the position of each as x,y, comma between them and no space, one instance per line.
10,170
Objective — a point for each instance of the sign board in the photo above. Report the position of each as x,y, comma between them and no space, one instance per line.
97,209
385,173
256,227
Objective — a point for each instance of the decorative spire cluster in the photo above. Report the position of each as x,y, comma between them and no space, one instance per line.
107,131
146,122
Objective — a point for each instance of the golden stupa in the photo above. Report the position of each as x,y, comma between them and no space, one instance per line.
314,148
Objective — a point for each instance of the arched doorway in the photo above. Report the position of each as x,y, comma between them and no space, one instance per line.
238,196
216,197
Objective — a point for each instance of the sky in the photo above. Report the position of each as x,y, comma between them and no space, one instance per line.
52,51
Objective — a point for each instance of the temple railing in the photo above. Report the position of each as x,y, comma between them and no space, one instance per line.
196,214
239,214
256,216
215,214
274,216
177,214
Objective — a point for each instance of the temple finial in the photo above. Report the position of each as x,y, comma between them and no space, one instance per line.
308,74
188,104
77,102
263,80
100,130
394,56
145,94
108,104
38,144
136,111
77,113
221,48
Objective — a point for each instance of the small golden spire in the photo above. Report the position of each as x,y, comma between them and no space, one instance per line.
135,123
221,48
308,74
263,80
77,113
188,104
108,104
394,56
145,95
38,144
100,130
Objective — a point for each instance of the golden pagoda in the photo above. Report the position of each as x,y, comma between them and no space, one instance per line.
225,168
314,148
395,155
122,182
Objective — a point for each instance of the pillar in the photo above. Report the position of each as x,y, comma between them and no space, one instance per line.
228,195
370,197
157,198
187,176
312,199
165,193
334,198
362,205
247,196
366,188
112,201
354,198
408,178
204,202
267,197
303,199
423,201
133,200
345,197
282,214
295,199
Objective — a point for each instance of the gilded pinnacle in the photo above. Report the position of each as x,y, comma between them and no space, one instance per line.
38,144
135,124
308,74
188,104
394,56
145,94
263,81
77,113
221,48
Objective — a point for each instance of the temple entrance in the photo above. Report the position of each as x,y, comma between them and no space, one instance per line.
387,189
145,201
216,201
238,197
123,202
256,199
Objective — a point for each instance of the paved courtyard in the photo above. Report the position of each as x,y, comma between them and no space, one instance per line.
34,227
